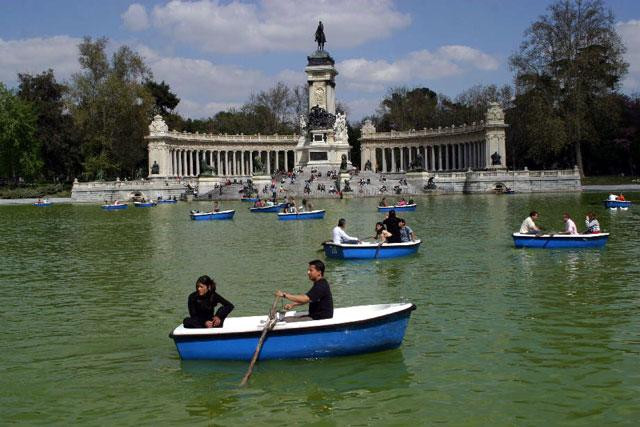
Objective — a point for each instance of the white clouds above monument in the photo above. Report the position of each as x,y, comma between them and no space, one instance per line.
275,25
374,75
630,33
135,18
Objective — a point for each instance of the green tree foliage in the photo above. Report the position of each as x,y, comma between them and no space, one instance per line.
112,109
574,55
60,151
165,100
19,145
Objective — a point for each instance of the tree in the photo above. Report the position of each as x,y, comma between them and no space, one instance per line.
112,109
19,146
165,100
574,47
60,150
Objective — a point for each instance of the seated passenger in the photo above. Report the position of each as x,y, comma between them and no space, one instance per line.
340,236
318,297
612,197
411,202
529,226
592,224
202,302
569,225
406,233
382,235
216,206
621,197
383,202
402,202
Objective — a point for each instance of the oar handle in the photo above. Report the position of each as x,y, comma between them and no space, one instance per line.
267,327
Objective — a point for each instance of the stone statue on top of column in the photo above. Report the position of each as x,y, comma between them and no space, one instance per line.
320,38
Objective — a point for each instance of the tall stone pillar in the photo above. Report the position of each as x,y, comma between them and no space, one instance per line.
384,160
268,162
402,159
393,159
250,163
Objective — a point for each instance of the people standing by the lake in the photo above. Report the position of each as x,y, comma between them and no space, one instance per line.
318,297
202,303
569,225
406,233
592,224
391,224
529,224
340,236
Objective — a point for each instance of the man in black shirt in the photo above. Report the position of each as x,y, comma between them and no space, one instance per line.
393,227
318,297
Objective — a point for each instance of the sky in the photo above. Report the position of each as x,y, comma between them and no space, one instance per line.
214,54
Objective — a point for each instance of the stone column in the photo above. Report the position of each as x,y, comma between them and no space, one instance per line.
384,160
401,159
393,159
250,163
269,163
410,149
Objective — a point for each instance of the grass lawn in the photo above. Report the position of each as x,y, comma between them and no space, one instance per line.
610,180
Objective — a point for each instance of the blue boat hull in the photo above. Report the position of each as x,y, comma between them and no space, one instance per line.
339,340
167,202
249,199
114,207
42,205
144,205
561,241
617,203
370,251
300,216
406,208
274,208
213,216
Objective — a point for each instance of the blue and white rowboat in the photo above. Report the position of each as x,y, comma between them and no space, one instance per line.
404,208
274,208
249,199
144,204
317,214
370,250
204,216
114,207
167,202
559,241
352,330
43,204
617,203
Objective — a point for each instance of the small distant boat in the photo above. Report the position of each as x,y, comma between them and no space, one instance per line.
250,199
144,204
370,250
43,204
612,204
558,241
117,207
274,208
352,330
204,216
167,202
403,208
317,214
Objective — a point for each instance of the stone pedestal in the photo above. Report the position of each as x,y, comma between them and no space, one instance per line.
207,183
259,181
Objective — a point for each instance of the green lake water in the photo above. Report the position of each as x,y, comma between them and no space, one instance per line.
501,336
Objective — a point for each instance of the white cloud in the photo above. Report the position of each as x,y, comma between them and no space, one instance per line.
272,25
35,55
361,107
135,18
630,33
372,76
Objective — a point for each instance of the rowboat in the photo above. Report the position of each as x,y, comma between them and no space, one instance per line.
556,241
114,207
167,202
370,250
617,203
144,204
203,216
317,214
250,199
274,208
402,208
42,204
352,330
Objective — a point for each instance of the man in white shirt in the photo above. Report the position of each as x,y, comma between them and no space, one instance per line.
529,226
339,235
569,225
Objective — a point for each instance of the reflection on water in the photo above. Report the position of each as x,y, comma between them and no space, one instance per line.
499,334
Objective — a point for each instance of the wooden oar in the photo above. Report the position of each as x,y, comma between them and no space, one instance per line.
271,322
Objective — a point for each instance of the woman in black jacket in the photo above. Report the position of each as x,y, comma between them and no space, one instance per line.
202,302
